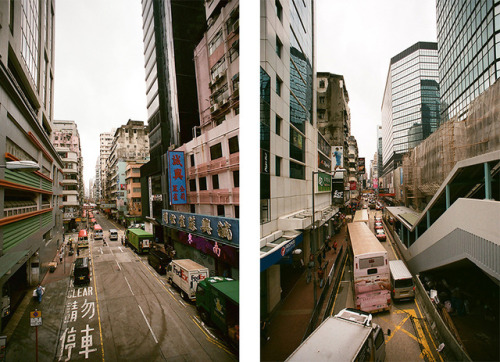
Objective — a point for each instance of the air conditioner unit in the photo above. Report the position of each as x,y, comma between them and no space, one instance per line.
224,100
214,108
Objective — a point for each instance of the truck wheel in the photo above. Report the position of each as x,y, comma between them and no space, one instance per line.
183,295
204,316
170,281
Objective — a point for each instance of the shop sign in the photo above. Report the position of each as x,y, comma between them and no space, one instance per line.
68,215
277,255
228,254
223,229
176,178
323,145
264,161
324,182
361,166
338,193
324,163
352,185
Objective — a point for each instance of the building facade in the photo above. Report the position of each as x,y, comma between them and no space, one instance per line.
66,140
469,52
130,145
410,107
31,219
296,195
105,142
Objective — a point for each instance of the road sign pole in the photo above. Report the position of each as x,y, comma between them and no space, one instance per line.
36,345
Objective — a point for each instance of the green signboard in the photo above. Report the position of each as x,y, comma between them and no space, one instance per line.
324,182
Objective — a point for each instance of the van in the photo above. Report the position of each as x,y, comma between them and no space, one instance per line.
402,286
113,234
158,260
81,271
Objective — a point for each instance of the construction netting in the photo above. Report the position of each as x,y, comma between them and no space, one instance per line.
428,164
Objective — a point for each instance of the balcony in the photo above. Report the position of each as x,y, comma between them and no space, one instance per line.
69,170
12,208
65,182
216,197
234,161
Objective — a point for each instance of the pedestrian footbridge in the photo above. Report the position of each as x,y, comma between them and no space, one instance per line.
461,222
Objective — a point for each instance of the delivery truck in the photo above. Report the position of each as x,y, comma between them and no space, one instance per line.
217,301
185,274
348,336
139,239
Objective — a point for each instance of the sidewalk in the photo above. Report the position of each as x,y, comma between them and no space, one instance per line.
291,319
21,337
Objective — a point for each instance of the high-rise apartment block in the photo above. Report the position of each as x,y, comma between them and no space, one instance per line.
105,142
31,219
469,52
66,140
410,107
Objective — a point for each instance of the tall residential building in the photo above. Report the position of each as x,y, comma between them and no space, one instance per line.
172,103
410,107
105,142
66,140
469,52
130,145
289,147
31,222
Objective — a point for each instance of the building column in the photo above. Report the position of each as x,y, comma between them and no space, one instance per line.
416,233
487,182
408,237
448,196
428,219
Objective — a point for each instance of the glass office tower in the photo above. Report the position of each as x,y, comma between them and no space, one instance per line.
410,109
468,34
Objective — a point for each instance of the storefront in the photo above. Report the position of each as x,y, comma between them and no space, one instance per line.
209,240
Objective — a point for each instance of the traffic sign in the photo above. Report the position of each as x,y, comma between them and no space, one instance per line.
35,318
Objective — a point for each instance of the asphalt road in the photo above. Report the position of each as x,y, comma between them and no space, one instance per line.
410,338
129,312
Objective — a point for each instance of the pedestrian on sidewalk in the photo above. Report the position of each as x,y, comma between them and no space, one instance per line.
61,255
321,274
39,292
77,251
335,247
310,267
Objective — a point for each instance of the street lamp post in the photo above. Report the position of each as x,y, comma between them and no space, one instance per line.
21,166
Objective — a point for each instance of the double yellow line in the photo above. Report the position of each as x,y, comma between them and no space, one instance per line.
97,301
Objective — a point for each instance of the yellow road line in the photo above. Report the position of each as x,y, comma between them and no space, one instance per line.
397,328
97,302
338,287
427,329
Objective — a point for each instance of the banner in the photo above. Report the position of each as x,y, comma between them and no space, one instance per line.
176,178
361,165
338,156
324,182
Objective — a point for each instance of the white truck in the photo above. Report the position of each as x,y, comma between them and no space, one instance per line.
186,274
348,336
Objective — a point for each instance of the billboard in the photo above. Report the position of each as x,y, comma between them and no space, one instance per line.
324,163
338,193
324,182
338,156
361,165
176,178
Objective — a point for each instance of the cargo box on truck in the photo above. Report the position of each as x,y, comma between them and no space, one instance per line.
185,274
217,301
139,239
348,336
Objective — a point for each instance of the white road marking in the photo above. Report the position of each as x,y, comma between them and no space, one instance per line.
161,281
118,265
129,287
101,250
180,301
148,324
120,249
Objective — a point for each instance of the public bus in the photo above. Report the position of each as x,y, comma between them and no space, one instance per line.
361,216
97,232
371,274
83,240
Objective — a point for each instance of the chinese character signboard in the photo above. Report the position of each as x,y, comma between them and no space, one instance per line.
177,178
222,229
324,182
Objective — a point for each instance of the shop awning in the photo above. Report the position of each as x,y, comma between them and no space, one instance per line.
275,250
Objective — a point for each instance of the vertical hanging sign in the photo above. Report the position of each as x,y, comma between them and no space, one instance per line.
177,178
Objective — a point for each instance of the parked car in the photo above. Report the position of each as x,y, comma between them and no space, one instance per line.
378,225
380,234
159,260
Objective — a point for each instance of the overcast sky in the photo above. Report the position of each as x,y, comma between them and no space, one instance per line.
357,39
99,69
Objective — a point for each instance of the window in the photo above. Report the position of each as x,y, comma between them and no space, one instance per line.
203,183
216,151
279,121
322,84
322,100
236,211
279,10
279,83
233,145
236,178
278,166
192,185
192,209
234,51
297,171
215,182
279,46
215,42
191,158
220,210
